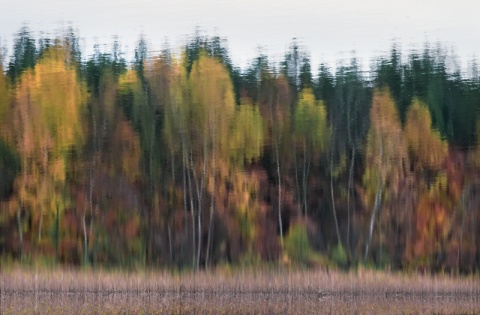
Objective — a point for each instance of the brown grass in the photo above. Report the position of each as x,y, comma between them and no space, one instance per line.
242,291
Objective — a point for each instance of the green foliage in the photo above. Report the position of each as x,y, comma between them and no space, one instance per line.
339,256
9,168
101,65
24,53
297,245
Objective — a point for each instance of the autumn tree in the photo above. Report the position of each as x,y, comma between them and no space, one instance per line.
211,137
213,108
46,99
197,123
385,155
247,134
246,146
176,136
427,152
311,136
275,99
142,107
427,149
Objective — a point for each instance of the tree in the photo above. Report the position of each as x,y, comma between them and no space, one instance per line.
24,54
427,154
212,110
253,78
247,135
348,105
312,134
275,98
385,156
4,94
296,67
45,100
426,146
176,136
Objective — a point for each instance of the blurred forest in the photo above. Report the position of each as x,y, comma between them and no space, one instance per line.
188,161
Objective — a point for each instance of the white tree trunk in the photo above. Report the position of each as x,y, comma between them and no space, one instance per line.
377,203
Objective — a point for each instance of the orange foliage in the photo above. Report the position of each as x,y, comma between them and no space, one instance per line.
126,150
431,227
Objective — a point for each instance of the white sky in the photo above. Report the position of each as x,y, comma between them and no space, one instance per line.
330,29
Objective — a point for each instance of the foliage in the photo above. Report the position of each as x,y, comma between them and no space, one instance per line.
310,121
4,94
188,161
385,148
47,115
297,245
247,134
339,256
425,144
9,168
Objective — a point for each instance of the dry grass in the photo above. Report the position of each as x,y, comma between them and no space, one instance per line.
225,292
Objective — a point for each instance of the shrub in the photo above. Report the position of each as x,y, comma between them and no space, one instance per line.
297,245
339,256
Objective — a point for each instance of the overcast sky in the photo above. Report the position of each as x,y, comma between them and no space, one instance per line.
330,29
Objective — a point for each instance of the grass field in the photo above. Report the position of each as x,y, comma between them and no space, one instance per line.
223,291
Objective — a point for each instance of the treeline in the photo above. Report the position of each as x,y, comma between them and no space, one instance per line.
189,161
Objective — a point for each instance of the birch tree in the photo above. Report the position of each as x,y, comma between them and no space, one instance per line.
385,155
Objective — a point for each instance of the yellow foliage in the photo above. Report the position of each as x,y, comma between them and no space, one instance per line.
247,134
58,170
47,116
128,79
385,149
439,187
425,144
61,99
213,103
311,126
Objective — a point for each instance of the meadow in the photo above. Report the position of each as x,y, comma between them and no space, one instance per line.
227,291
